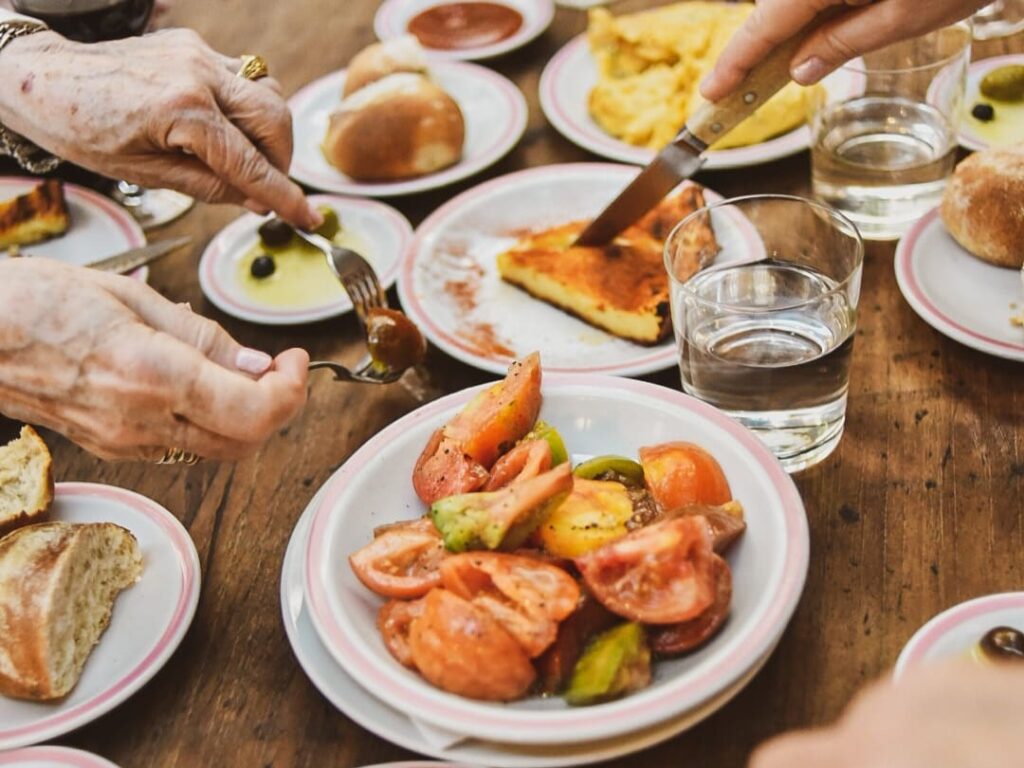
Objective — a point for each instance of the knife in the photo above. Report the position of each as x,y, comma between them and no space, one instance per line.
685,155
139,257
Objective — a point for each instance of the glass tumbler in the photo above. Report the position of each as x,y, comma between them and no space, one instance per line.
999,19
764,293
884,131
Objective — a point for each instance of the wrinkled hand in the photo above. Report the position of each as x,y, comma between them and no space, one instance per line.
162,110
956,716
123,372
859,26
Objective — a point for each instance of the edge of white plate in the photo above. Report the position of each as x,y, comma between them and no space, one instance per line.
55,756
980,68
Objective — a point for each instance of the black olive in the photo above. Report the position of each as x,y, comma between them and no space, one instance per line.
983,112
395,343
1003,644
275,233
262,266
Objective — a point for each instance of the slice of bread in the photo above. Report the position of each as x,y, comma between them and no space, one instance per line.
58,582
26,481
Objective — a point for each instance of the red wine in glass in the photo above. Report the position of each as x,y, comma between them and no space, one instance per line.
90,21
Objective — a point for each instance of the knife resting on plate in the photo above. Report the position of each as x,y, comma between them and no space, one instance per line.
685,155
128,261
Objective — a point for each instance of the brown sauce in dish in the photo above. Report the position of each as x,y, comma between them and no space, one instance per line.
458,26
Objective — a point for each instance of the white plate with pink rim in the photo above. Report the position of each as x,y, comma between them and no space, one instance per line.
595,415
52,757
1008,126
388,723
149,619
569,77
384,232
393,17
450,286
494,109
99,227
960,296
955,632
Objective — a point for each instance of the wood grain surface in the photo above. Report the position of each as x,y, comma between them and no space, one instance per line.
918,509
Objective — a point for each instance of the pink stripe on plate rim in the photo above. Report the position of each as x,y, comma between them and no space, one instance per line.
183,546
715,677
64,756
906,269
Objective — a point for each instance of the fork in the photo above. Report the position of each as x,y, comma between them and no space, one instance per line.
363,288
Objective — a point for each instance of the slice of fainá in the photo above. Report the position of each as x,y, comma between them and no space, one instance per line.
37,215
58,583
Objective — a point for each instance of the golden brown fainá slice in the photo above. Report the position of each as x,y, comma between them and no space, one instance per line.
37,215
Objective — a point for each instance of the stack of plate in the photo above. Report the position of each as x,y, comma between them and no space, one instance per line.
330,617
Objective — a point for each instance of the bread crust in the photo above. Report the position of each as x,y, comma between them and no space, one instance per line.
11,521
406,134
382,59
983,206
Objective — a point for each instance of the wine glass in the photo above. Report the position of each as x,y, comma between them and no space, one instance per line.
91,21
999,19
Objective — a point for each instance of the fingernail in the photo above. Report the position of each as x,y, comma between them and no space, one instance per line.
185,305
809,71
253,361
315,217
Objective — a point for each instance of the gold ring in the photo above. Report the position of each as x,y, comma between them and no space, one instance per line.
178,456
253,67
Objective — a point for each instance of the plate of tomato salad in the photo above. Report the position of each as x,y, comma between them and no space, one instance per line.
624,550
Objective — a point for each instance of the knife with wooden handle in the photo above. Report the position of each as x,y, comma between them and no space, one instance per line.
685,155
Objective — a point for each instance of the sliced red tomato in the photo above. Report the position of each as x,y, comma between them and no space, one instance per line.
461,648
394,620
679,474
526,596
444,469
674,639
661,574
526,460
402,561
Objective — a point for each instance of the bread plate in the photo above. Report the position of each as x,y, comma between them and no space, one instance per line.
384,230
955,631
493,107
52,757
571,74
393,17
977,136
960,296
99,226
595,415
149,619
392,725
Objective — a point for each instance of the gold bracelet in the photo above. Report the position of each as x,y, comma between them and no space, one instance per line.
29,156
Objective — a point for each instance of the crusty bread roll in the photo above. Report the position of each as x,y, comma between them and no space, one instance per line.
396,128
58,582
403,54
26,481
983,207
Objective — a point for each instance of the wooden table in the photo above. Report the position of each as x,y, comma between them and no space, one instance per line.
918,509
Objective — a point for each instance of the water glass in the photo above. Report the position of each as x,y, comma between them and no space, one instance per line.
999,19
765,328
884,131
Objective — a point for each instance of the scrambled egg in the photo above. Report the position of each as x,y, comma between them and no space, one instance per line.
650,65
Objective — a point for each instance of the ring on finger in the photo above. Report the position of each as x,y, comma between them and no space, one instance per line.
253,67
178,456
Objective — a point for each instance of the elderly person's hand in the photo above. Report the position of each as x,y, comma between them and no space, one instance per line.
956,716
855,27
163,110
126,374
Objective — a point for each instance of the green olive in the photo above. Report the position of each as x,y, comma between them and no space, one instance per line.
1004,83
627,471
395,343
1003,644
332,224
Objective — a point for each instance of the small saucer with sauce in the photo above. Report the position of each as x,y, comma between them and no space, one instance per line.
254,277
987,121
962,630
465,30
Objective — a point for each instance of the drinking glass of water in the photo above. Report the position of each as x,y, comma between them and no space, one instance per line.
883,154
765,327
999,19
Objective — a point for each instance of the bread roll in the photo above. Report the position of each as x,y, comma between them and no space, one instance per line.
26,481
397,128
58,582
403,54
983,207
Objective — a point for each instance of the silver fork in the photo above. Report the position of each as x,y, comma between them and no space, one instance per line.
363,288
